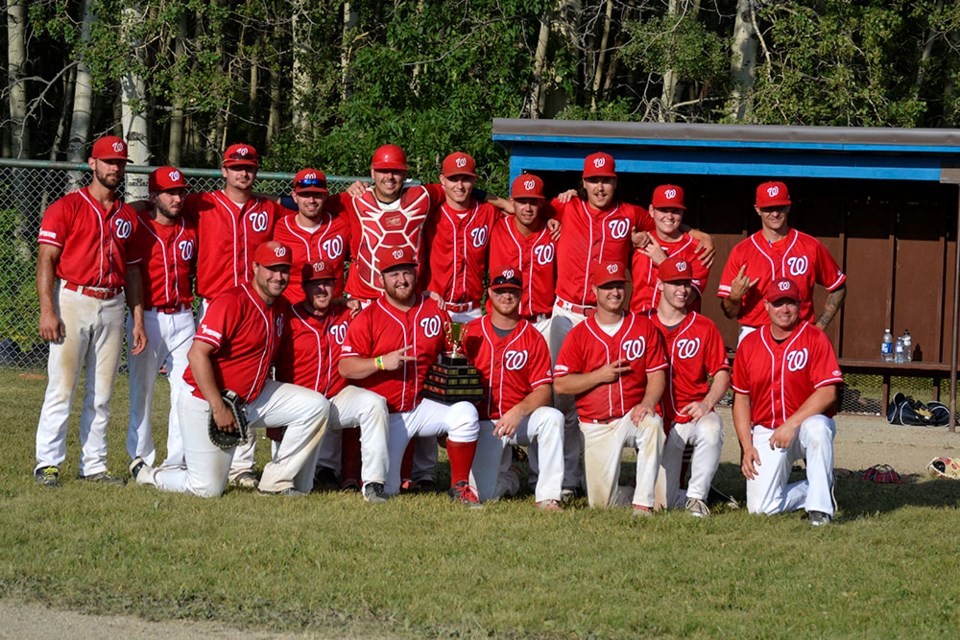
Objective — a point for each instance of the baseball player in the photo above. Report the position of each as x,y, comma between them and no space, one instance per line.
696,353
232,223
614,364
524,242
514,365
391,345
316,233
81,273
777,251
163,256
458,237
785,379
667,240
233,349
309,352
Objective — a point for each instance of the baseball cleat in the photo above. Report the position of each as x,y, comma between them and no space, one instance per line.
373,493
48,477
697,508
550,505
570,493
136,466
245,480
462,493
350,486
642,512
104,478
819,518
289,492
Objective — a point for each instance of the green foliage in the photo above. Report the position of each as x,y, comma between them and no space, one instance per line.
20,309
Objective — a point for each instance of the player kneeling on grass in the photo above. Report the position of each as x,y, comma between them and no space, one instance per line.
696,352
309,353
391,345
233,349
514,365
786,377
614,363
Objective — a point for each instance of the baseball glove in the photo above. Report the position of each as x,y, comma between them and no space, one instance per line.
229,439
944,468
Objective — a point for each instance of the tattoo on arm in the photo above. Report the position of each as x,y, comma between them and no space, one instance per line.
831,306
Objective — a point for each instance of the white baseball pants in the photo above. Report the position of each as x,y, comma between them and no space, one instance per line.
560,325
603,444
545,428
302,411
706,436
429,418
169,336
93,341
769,492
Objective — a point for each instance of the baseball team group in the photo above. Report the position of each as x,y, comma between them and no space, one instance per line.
323,313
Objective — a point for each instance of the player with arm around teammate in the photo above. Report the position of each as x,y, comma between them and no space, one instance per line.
81,274
390,345
234,348
785,379
309,353
163,257
514,365
696,352
614,364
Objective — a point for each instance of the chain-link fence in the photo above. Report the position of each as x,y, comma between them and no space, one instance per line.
26,189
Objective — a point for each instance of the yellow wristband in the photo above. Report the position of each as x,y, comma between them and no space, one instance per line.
379,362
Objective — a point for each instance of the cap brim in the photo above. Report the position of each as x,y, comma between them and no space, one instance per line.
388,167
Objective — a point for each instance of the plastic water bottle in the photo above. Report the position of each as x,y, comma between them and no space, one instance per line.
907,346
898,350
886,347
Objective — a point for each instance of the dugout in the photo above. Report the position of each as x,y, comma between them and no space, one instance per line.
883,201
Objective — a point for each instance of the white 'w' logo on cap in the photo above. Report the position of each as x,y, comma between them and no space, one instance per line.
599,162
174,175
118,146
681,265
529,185
613,268
783,286
398,254
670,194
461,162
773,192
280,252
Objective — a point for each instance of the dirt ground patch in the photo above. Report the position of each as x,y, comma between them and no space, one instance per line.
861,441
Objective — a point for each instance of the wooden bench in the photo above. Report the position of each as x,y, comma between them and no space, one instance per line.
934,370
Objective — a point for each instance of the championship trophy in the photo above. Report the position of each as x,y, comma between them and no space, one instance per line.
453,379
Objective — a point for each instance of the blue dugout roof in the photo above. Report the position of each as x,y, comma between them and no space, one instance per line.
926,155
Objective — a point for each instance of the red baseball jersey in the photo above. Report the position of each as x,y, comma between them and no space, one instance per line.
780,377
328,242
695,351
94,241
589,236
588,347
310,349
228,235
167,258
374,224
510,367
533,256
646,274
800,257
382,328
457,243
245,333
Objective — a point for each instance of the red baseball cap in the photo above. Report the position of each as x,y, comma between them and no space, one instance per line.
110,148
320,270
675,269
240,154
390,257
599,165
607,272
166,179
389,157
782,288
505,278
527,186
772,194
458,163
271,254
310,181
668,196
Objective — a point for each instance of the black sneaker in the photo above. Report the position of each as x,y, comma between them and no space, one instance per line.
48,477
245,480
463,494
819,518
136,465
373,493
104,478
289,492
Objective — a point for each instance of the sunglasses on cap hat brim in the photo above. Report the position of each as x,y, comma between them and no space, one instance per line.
311,184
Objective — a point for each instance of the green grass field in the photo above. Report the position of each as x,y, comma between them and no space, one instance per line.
422,567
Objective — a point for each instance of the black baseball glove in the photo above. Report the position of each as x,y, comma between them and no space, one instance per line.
229,439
